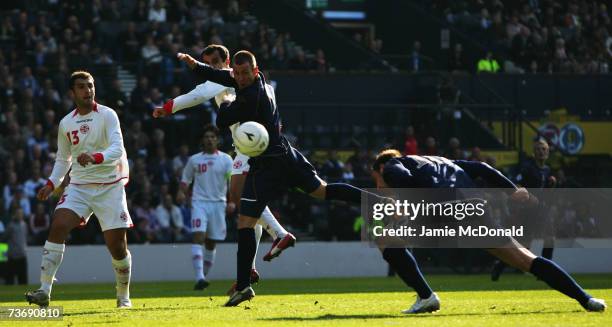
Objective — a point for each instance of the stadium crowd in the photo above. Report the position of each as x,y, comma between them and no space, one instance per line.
538,35
41,47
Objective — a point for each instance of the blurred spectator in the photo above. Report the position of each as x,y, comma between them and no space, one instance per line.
476,155
116,99
454,151
183,205
161,167
21,201
300,62
456,61
415,57
488,64
147,223
332,169
320,62
431,148
157,13
170,220
411,145
16,237
28,81
31,186
347,173
180,160
39,222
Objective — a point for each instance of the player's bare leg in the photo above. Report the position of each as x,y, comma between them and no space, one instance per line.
64,220
116,242
246,253
549,272
197,258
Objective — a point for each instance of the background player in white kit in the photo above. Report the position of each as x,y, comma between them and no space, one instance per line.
218,57
209,171
91,134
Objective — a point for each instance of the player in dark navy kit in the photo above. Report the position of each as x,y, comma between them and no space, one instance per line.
535,175
391,170
279,168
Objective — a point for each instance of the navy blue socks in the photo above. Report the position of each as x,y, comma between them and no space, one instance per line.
407,269
558,279
246,252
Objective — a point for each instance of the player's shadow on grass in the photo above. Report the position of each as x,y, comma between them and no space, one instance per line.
427,315
441,283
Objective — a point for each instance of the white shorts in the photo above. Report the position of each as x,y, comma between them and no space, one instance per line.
107,202
241,164
209,217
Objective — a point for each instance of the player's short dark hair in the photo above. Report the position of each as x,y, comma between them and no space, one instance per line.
79,74
212,48
211,128
383,157
245,56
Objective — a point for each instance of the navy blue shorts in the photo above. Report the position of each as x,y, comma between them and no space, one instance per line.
270,177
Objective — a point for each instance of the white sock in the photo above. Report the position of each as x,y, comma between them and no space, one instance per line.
123,273
209,260
52,256
258,232
268,218
198,263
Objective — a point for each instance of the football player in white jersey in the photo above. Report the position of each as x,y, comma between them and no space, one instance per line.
209,171
218,57
91,136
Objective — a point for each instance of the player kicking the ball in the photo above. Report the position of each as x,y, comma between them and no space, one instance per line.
277,169
91,134
218,57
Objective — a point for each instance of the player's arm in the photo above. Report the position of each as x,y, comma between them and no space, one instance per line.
63,162
240,110
187,177
232,199
492,176
205,72
114,151
201,93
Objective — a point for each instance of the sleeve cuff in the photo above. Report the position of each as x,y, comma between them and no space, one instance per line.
98,158
50,183
168,107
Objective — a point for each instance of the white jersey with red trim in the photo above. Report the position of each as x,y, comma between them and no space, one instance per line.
201,93
97,133
209,173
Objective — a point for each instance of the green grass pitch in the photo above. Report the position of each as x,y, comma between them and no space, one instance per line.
516,300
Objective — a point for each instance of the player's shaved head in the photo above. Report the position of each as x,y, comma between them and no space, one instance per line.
242,57
383,157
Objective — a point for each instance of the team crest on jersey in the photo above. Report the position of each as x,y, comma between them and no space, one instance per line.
123,216
84,129
237,164
210,163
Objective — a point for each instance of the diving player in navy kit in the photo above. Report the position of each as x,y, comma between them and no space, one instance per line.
391,170
279,168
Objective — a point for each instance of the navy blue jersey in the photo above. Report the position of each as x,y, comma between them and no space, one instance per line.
438,172
256,103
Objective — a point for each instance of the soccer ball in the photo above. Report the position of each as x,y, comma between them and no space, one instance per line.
251,138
